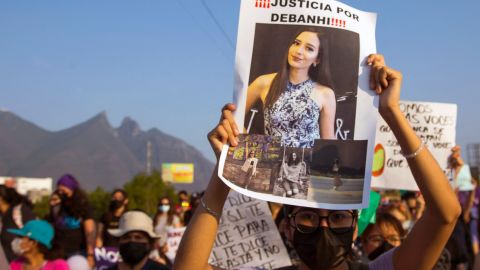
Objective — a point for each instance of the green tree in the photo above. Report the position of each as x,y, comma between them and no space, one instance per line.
99,200
144,192
41,208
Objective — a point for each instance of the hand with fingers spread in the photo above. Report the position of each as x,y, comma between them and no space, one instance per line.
225,131
386,82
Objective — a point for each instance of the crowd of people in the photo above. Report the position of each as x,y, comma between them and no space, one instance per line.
435,228
66,238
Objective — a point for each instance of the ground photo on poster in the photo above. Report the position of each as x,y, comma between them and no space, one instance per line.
338,171
332,172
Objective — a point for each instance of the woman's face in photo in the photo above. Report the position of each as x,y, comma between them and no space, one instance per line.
294,156
304,51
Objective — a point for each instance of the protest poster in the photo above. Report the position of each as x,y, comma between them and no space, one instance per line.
174,236
106,257
301,90
247,236
434,124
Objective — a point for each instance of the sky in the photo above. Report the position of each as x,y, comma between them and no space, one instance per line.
169,64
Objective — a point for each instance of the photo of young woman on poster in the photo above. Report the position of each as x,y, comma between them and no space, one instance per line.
298,102
249,167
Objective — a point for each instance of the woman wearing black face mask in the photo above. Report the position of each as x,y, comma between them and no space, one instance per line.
136,241
109,220
74,224
420,250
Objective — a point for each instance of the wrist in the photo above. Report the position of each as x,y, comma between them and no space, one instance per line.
390,113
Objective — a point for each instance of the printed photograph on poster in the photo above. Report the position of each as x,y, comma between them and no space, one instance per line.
300,78
332,172
338,171
317,103
293,179
254,163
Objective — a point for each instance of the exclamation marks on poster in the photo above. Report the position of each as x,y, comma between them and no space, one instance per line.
336,22
262,3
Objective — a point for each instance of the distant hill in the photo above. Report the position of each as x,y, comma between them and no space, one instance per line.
95,152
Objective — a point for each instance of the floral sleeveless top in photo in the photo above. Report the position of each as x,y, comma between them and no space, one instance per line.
294,116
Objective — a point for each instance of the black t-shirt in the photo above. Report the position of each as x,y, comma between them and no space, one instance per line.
109,221
8,222
150,265
69,232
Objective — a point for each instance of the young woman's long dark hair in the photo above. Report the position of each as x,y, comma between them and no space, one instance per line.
320,73
290,160
76,206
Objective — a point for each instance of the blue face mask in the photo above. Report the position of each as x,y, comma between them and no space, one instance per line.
164,208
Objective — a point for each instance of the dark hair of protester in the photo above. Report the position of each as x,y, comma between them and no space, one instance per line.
77,205
124,193
12,197
15,210
320,73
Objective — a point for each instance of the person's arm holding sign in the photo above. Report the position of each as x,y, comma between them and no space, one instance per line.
422,247
197,242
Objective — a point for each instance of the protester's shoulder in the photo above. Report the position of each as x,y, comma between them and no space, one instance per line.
57,264
384,262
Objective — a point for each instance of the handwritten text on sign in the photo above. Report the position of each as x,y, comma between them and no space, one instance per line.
173,241
247,236
434,124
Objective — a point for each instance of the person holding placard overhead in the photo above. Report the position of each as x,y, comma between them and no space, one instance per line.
322,237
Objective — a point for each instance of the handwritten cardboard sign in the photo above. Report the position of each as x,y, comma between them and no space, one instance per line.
247,236
434,124
174,236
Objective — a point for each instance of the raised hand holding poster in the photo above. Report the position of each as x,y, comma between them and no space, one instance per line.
304,104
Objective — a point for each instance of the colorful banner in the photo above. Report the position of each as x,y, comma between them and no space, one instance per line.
247,236
434,124
179,173
303,98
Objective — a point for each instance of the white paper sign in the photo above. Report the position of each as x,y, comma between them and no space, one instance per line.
247,236
434,123
301,82
174,236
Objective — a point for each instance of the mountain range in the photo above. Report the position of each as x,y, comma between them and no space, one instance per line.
93,151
